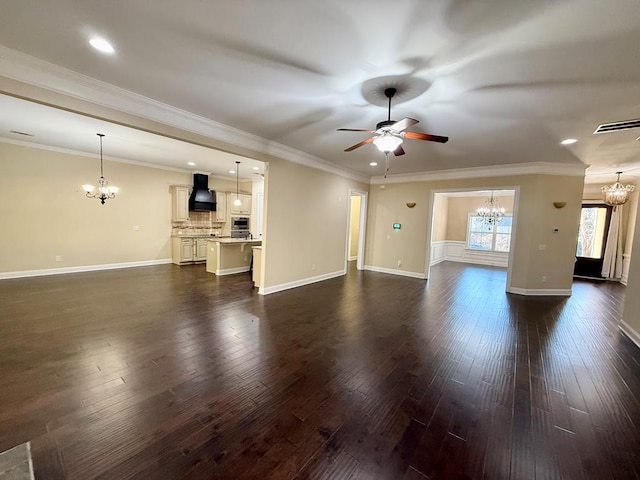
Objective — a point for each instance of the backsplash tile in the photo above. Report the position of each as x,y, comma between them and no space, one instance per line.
199,224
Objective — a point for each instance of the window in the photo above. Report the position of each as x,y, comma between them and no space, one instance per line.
487,236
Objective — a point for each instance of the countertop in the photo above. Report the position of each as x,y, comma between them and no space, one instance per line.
235,240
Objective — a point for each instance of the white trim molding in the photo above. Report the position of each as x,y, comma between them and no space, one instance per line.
457,251
626,262
300,283
539,168
81,268
541,292
630,332
232,271
393,271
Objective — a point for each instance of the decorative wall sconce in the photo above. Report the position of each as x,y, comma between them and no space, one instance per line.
559,204
411,204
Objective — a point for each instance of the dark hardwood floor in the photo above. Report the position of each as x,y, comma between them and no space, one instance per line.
168,372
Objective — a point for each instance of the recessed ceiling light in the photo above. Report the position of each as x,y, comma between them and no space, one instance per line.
373,164
256,168
568,141
102,45
191,164
232,172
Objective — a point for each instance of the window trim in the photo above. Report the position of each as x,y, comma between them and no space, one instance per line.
493,235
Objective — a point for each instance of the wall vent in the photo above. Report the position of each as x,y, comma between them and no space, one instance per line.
616,126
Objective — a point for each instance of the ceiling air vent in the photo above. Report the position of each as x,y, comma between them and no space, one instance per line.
617,126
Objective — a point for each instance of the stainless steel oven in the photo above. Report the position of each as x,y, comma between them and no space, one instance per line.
239,223
240,227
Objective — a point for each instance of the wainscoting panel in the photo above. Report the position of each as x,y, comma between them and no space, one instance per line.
456,251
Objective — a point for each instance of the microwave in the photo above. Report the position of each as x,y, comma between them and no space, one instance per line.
239,223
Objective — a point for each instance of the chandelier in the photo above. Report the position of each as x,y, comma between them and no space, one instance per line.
617,194
491,212
104,191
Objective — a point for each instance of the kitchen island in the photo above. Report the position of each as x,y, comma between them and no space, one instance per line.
226,256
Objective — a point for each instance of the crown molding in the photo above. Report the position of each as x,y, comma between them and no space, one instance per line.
79,153
539,168
34,71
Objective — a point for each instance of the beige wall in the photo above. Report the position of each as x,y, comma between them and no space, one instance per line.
536,219
306,220
44,212
354,222
459,210
631,312
440,217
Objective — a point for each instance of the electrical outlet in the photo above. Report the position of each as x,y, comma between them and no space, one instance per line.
313,267
58,258
399,263
136,227
388,237
543,279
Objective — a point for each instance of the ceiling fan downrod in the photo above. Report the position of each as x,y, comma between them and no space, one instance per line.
389,93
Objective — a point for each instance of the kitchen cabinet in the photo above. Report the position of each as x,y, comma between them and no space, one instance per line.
188,250
221,207
179,203
200,252
181,250
257,265
245,204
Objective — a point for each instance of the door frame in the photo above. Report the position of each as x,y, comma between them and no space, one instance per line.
607,224
362,227
514,225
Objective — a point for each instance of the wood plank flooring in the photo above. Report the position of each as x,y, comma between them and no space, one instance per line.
167,372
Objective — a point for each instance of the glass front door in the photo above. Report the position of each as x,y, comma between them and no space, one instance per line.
592,235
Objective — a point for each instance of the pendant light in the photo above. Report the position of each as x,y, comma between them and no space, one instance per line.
104,191
237,201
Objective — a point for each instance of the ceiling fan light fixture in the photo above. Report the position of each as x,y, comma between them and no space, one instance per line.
387,143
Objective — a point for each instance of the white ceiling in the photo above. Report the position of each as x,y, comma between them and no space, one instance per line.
505,80
61,129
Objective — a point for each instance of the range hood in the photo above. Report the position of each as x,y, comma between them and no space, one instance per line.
201,199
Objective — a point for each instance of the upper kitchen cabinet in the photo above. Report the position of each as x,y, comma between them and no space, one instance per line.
221,207
245,204
179,203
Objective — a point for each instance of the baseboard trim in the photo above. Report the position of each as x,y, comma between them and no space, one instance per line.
300,283
232,271
630,332
80,269
541,292
391,271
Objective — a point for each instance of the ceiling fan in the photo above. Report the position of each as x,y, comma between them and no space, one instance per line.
389,134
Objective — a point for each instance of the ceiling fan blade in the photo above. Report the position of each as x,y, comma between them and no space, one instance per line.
364,142
398,151
354,130
425,136
403,124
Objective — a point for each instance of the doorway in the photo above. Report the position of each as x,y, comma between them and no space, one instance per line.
356,228
459,230
592,235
